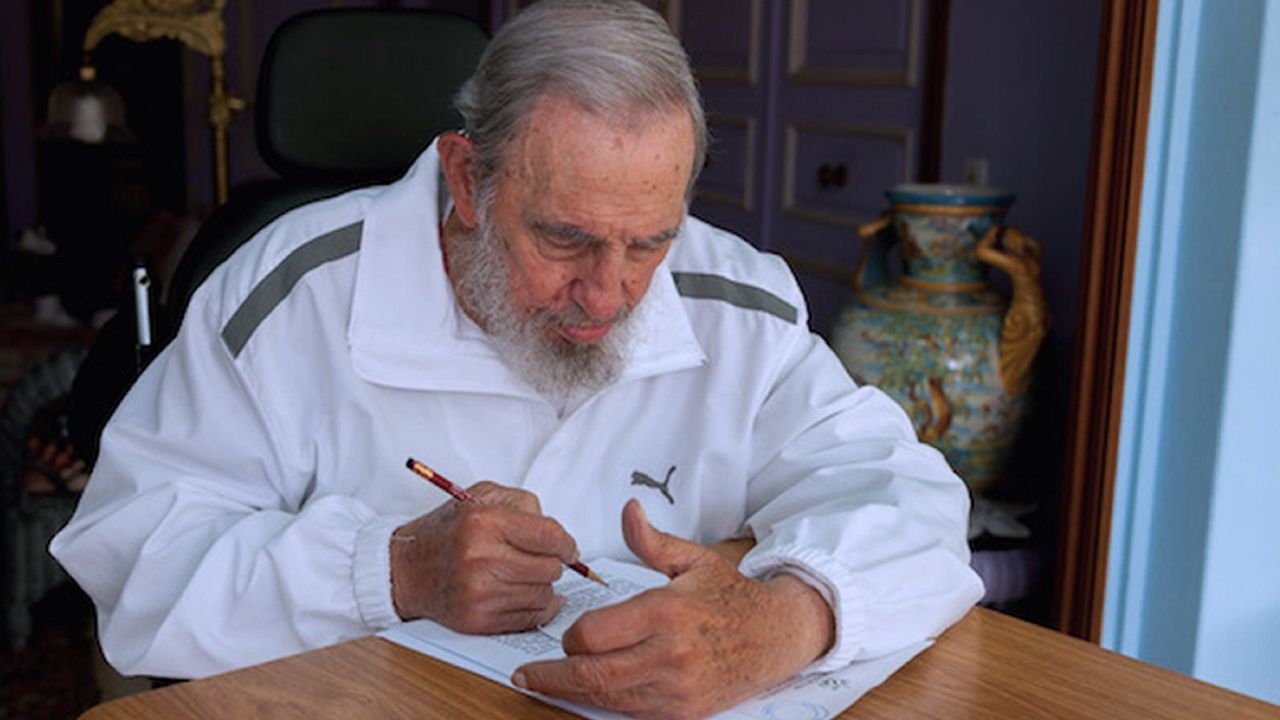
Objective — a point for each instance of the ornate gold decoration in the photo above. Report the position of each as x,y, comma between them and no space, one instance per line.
868,231
949,210
935,411
196,24
975,309
872,228
1027,320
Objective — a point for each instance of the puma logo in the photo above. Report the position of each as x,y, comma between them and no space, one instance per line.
639,478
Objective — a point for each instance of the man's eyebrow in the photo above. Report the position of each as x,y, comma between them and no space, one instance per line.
661,237
577,234
567,231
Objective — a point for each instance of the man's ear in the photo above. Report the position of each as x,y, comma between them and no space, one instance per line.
456,155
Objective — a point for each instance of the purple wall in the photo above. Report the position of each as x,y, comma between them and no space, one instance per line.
249,25
20,118
1020,83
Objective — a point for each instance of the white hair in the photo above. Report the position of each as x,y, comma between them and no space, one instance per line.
615,58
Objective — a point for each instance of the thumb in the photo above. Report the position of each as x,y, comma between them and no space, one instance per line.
665,553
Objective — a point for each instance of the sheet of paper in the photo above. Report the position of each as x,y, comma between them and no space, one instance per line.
497,656
808,697
824,695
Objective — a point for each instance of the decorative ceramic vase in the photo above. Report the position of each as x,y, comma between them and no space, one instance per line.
938,337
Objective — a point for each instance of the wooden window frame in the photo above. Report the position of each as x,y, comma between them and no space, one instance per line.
1121,106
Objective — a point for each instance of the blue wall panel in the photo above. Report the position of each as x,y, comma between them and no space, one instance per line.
1193,584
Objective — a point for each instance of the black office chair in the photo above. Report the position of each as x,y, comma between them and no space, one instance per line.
346,98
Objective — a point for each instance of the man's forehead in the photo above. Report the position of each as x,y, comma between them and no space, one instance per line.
560,130
584,177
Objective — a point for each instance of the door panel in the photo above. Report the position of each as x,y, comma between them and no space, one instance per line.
730,52
860,42
836,173
849,108
727,179
722,38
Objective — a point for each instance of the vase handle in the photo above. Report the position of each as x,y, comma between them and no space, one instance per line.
1027,320
877,235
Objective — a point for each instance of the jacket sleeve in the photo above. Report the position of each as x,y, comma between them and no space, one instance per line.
846,497
196,538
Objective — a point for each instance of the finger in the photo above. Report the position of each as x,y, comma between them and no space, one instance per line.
508,614
77,482
493,494
638,701
521,619
520,567
592,677
485,490
35,482
63,456
616,627
665,553
508,545
505,608
540,535
75,468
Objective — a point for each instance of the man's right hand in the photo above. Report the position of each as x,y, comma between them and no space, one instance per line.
481,568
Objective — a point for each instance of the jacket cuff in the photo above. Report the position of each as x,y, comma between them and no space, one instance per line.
833,582
371,572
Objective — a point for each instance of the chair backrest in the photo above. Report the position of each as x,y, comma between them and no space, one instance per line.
346,97
359,93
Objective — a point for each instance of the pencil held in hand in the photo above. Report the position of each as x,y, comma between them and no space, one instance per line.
460,494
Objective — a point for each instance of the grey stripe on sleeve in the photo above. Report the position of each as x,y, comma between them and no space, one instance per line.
714,287
275,287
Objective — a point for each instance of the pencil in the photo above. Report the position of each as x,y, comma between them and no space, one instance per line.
461,495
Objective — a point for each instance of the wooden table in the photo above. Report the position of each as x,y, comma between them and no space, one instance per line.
987,666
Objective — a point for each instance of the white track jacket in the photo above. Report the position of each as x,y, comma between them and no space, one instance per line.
248,484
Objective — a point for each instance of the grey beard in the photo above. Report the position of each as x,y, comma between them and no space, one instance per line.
479,266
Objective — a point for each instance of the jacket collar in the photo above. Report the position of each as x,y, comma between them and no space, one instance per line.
407,329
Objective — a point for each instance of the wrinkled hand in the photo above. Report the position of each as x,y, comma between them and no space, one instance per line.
480,568
708,640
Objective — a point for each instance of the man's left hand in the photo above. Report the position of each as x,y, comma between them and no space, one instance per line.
709,639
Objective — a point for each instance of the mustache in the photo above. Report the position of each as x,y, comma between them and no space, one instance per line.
575,315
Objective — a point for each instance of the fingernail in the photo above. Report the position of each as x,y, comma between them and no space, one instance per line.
518,680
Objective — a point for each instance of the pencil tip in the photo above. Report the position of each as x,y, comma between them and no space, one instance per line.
591,575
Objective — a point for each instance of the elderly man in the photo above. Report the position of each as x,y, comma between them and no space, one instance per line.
531,305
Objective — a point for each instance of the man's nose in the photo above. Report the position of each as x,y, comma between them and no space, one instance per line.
600,288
